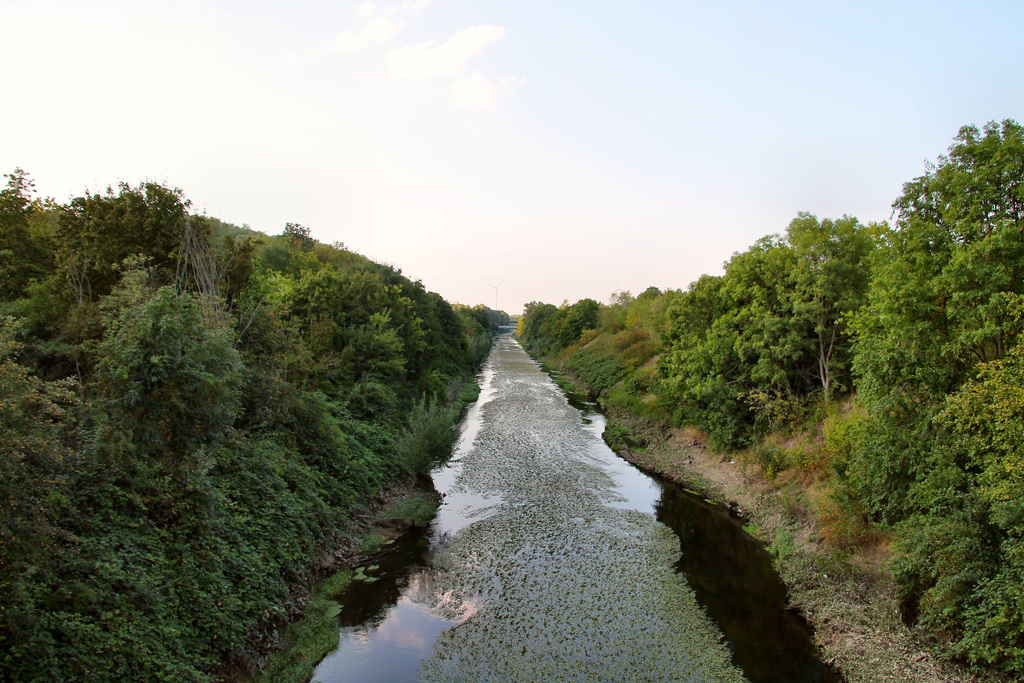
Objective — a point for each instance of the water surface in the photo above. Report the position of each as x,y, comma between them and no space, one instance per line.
552,559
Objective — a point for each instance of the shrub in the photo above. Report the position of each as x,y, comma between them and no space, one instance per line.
430,436
772,458
842,520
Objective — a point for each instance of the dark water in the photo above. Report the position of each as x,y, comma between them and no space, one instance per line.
553,559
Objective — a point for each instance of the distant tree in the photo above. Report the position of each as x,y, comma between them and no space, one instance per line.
536,317
582,315
299,236
613,316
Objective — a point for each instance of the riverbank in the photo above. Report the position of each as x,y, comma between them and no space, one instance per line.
407,504
844,590
847,595
292,652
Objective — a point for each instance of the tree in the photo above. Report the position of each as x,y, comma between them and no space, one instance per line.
938,363
299,236
536,318
941,303
168,373
582,315
36,421
23,257
831,281
100,230
750,349
962,566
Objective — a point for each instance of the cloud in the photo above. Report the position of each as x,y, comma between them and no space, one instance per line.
379,30
364,10
413,6
480,92
430,60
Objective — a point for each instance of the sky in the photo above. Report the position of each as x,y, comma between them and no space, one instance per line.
507,152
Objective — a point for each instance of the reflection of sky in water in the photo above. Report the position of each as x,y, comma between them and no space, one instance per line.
390,652
548,558
637,491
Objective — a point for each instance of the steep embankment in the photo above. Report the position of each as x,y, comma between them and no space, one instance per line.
192,414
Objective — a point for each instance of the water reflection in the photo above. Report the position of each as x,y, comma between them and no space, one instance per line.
734,580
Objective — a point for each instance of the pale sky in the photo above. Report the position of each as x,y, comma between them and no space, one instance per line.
559,150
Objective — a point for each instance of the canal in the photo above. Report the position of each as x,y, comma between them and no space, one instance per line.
552,559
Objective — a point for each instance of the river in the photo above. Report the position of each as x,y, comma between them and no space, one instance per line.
552,559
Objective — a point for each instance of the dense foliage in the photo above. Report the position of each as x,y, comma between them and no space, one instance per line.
190,411
919,325
748,349
936,359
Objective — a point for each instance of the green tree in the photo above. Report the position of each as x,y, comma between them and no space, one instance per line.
535,322
942,301
36,458
168,373
962,562
24,257
99,231
831,278
939,371
582,315
749,350
737,355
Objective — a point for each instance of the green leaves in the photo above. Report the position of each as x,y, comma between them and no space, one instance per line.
99,231
746,349
169,375
939,365
554,328
582,315
24,255
163,510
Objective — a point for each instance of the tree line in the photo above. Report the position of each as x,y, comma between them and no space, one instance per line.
898,345
190,411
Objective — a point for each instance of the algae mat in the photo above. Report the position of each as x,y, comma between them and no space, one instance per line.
546,559
564,575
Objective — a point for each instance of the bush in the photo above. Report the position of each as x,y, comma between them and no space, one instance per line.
772,458
842,520
624,399
598,366
430,436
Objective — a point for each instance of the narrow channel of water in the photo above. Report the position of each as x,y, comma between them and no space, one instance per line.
554,559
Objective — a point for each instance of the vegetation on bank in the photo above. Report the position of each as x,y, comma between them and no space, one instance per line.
880,363
308,640
190,411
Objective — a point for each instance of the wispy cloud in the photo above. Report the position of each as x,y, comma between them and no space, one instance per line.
413,6
480,92
430,60
380,30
